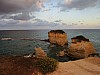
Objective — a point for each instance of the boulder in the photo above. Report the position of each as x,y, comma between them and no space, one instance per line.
39,52
61,53
57,37
80,47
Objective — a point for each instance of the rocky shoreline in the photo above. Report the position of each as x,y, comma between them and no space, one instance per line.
80,48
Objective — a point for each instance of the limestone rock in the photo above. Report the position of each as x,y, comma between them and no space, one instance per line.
61,53
80,47
58,37
39,52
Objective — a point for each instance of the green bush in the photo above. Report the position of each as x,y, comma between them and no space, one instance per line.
47,64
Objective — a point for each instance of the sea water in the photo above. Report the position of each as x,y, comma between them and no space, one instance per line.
18,46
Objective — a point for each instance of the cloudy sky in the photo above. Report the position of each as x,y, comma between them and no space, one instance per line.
49,14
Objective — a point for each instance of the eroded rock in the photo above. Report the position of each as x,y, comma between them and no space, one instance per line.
39,52
61,53
80,47
58,37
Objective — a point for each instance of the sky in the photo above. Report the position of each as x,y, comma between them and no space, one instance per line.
49,14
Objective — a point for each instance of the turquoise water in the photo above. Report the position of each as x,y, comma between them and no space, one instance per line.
23,47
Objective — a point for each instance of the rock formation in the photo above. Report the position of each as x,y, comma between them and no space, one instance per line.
58,37
39,52
7,39
80,47
61,53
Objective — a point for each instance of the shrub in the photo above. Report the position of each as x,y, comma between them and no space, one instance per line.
47,64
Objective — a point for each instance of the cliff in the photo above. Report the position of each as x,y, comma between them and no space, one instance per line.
17,65
58,37
80,47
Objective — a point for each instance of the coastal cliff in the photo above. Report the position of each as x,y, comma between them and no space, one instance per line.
80,47
58,37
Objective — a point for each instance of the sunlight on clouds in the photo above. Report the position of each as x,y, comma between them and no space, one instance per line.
57,14
39,4
68,1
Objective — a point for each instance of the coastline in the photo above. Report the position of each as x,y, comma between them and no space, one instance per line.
18,65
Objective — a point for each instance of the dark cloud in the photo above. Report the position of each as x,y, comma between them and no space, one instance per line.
5,7
58,21
19,16
77,4
9,6
22,16
19,9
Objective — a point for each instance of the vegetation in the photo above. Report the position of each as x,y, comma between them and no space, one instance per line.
80,38
47,65
18,65
57,31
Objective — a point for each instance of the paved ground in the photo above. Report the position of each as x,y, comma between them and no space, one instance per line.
88,66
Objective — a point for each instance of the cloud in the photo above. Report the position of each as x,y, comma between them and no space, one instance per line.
17,25
20,9
77,4
58,21
45,10
19,16
44,23
10,6
22,16
8,21
8,24
98,18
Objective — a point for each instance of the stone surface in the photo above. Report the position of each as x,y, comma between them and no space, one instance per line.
58,37
80,47
39,52
87,66
61,53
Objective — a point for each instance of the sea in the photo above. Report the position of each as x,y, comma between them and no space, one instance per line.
24,41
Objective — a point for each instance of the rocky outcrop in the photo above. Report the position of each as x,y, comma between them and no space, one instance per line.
80,47
39,53
61,53
7,39
58,37
31,39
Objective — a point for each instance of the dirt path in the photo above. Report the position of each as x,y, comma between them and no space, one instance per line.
88,66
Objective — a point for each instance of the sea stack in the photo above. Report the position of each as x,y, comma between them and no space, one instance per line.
58,37
39,53
80,47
